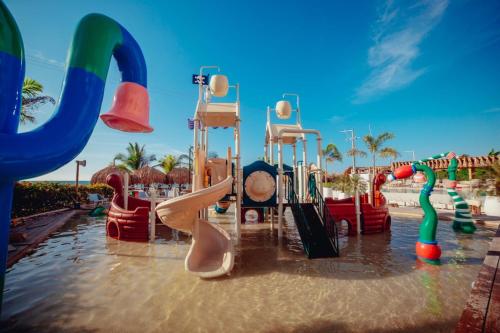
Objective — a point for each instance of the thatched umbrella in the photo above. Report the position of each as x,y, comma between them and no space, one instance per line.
147,176
100,176
178,176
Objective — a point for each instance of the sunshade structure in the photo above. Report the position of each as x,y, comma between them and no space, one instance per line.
178,176
147,176
100,176
463,162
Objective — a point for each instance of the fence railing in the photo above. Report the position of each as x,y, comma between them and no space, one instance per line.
326,218
299,216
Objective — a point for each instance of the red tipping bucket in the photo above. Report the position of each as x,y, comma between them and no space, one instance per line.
404,171
130,109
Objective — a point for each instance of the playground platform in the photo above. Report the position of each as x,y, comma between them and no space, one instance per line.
482,311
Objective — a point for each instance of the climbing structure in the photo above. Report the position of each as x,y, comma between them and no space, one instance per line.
211,253
316,227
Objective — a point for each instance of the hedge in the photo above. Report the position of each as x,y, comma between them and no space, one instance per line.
34,198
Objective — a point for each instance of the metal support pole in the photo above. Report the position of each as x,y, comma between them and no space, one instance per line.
357,202
239,186
271,159
125,191
206,142
319,159
152,214
203,139
304,169
294,148
280,187
77,179
196,163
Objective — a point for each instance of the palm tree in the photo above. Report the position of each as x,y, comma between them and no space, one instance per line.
354,152
170,162
135,158
348,184
493,152
32,99
331,154
375,146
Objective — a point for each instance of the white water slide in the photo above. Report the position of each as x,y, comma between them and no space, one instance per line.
211,253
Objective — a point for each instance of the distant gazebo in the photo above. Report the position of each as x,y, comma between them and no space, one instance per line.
148,175
100,176
178,176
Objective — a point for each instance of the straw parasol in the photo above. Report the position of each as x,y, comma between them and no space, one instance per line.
147,176
100,176
178,176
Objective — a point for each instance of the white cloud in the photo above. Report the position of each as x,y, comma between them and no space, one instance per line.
37,57
336,119
397,35
491,110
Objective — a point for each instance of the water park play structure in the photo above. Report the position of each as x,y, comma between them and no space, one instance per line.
296,187
211,253
316,227
128,217
427,247
375,216
63,137
268,185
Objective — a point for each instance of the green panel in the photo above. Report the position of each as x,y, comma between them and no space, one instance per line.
92,47
11,41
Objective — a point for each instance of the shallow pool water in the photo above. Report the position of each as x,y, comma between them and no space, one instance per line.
81,281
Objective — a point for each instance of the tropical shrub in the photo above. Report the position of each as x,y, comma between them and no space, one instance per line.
34,198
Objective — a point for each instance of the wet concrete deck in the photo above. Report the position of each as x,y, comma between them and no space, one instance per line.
27,233
482,311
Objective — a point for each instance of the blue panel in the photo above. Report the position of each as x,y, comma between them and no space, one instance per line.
11,83
61,138
130,60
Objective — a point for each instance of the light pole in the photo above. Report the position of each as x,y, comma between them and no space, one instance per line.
82,163
412,154
353,171
190,153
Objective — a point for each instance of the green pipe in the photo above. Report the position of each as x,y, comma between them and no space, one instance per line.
462,221
429,224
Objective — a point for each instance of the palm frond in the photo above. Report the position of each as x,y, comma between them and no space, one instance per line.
356,152
31,100
383,138
389,153
31,87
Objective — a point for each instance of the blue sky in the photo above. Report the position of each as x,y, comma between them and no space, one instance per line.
427,71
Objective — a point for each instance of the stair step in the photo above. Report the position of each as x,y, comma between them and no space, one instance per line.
319,245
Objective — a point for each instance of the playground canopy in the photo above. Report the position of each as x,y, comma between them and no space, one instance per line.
147,175
100,176
178,176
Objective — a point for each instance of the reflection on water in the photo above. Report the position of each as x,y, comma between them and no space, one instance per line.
79,281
